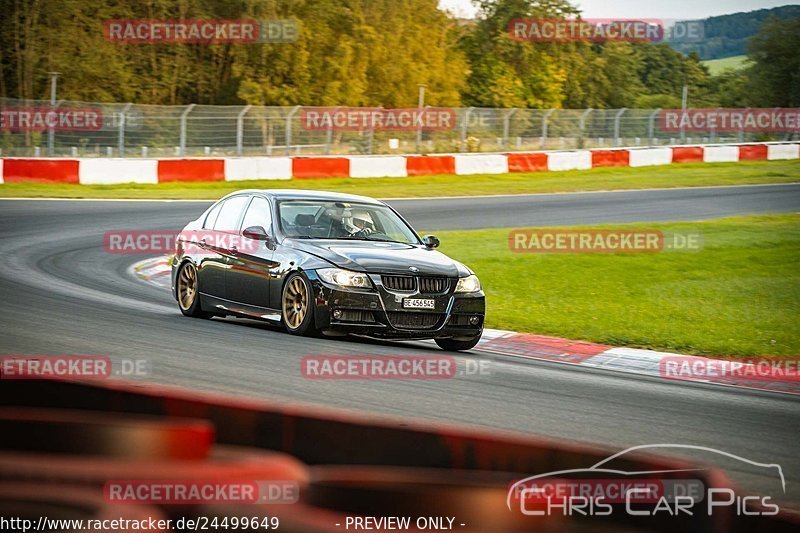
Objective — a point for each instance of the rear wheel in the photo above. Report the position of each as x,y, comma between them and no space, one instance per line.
188,293
297,306
453,345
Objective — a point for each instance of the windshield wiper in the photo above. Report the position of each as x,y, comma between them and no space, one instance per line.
352,238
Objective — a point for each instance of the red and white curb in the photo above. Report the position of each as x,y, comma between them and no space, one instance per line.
651,363
96,171
155,271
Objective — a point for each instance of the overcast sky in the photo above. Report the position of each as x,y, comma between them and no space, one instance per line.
664,9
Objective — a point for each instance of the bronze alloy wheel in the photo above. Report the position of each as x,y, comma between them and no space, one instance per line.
187,286
295,302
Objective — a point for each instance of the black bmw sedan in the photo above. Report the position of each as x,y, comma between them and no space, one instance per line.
324,263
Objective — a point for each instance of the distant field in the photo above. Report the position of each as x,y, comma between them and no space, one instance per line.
717,66
617,178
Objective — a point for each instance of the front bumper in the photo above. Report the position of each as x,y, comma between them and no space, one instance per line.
380,312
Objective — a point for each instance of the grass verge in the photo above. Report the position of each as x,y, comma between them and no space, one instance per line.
738,296
679,175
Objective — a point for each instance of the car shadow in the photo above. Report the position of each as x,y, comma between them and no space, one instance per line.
352,339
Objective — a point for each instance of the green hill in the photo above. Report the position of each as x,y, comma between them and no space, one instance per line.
726,36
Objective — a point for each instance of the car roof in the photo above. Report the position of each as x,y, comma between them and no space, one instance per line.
303,194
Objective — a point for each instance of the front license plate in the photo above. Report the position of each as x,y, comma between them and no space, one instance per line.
418,303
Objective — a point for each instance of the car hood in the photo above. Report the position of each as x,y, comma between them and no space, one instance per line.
382,257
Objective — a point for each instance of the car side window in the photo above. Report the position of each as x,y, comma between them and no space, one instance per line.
258,214
211,218
229,214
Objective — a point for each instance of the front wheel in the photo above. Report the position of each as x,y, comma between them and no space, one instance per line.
453,345
188,293
297,306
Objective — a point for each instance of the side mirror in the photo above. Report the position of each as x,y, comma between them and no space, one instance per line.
430,241
257,233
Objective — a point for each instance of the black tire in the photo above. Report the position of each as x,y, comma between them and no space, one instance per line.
453,345
188,293
297,306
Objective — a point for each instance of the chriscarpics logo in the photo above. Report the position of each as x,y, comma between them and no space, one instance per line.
603,490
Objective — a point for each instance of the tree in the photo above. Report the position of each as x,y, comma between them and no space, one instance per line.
665,71
506,73
775,75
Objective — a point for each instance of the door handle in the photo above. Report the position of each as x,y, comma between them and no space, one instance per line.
234,249
203,241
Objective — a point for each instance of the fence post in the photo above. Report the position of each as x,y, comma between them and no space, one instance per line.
371,136
616,124
289,129
464,120
51,133
121,135
582,124
713,132
182,148
651,128
329,132
741,130
544,126
506,120
240,129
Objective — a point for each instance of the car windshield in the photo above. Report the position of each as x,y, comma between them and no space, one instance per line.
321,219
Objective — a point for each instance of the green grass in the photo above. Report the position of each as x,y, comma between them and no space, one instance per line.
682,175
717,66
738,296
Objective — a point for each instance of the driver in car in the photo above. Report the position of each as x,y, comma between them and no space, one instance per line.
360,223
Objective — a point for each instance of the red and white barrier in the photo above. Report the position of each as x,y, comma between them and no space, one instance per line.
611,158
687,154
481,164
646,157
720,154
578,160
47,170
527,162
170,170
92,171
320,167
783,151
753,152
258,168
113,171
379,166
422,165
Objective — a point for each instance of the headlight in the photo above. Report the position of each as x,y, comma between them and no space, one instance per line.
468,284
344,278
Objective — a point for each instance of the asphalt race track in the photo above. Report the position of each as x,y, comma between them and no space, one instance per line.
63,294
655,205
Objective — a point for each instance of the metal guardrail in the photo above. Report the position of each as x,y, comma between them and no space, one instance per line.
132,130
